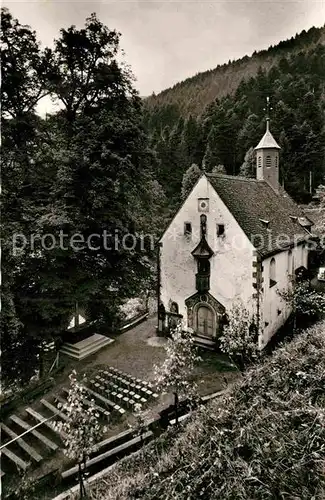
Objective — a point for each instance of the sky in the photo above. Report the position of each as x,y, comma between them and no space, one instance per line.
168,41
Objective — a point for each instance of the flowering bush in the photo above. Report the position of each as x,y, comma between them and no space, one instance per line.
131,308
175,374
81,428
239,339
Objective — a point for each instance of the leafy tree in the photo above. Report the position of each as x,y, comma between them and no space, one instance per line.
23,69
190,177
81,428
218,169
83,171
105,180
176,373
304,301
23,84
248,168
239,339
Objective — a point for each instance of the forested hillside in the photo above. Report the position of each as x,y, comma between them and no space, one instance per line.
217,117
192,95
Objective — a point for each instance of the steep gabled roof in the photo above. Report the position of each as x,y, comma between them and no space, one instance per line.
253,202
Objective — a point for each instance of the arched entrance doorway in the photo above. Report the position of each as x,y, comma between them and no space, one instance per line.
205,321
205,315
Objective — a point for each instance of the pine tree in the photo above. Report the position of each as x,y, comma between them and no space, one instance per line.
219,169
211,157
250,133
190,177
248,168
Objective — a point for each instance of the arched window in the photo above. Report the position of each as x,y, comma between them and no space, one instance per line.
272,272
174,307
290,262
276,161
259,161
203,224
268,161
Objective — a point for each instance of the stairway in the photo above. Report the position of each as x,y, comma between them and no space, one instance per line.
204,342
86,347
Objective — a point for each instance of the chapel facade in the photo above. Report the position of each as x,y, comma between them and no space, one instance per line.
233,241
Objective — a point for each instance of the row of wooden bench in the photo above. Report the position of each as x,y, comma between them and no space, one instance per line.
126,378
125,395
48,443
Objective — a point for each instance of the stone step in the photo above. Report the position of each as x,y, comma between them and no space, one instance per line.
15,459
86,347
25,446
204,343
46,441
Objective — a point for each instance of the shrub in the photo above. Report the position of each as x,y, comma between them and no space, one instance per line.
239,339
304,300
176,372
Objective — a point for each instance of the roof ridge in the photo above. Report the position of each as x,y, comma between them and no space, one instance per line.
234,177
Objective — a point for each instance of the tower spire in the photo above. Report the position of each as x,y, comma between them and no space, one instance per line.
267,154
267,110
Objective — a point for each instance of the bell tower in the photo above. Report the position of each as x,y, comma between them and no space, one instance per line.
267,155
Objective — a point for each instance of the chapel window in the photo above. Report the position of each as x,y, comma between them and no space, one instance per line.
272,272
187,229
203,224
220,229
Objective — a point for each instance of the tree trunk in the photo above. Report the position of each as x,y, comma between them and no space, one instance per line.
80,480
76,323
81,469
41,363
176,407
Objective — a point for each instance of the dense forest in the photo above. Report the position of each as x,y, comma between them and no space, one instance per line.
217,117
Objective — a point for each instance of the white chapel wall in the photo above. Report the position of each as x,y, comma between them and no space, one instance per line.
275,311
231,266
